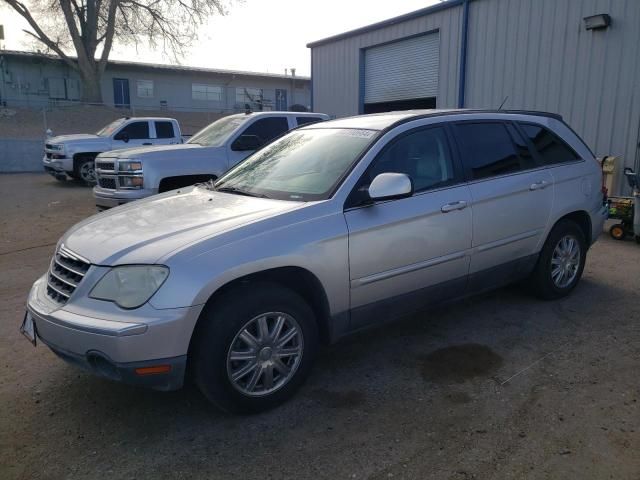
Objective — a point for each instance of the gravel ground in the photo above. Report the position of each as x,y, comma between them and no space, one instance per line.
500,386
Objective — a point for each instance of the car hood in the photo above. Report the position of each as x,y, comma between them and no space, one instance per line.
76,137
153,150
148,230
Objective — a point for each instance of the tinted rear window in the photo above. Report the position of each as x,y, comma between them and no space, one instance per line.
551,149
164,130
487,149
307,120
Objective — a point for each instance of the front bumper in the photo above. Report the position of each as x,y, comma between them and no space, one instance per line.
116,349
108,198
56,167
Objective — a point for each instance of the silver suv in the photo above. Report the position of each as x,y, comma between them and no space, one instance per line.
332,228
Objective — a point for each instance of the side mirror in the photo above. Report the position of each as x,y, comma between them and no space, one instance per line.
124,136
246,143
388,186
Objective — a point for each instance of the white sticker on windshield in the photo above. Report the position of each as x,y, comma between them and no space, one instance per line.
352,132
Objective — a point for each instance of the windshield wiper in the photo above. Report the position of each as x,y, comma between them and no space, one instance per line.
239,191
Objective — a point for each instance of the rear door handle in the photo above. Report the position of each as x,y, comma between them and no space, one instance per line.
541,185
450,207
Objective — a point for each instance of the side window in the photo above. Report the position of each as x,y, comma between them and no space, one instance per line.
164,130
266,129
423,154
551,149
488,150
307,120
135,131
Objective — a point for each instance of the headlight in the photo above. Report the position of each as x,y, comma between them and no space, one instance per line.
131,181
129,166
130,286
59,148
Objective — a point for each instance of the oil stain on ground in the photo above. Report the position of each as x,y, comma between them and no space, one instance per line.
458,363
331,399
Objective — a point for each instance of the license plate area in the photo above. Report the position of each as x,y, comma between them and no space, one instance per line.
28,328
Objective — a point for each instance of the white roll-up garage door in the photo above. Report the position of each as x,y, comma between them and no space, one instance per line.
402,70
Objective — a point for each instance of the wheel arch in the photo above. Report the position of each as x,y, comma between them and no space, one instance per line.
583,220
298,279
82,156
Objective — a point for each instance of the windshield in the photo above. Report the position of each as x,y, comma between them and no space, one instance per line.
217,133
305,165
109,129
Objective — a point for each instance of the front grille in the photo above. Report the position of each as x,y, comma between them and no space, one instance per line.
107,183
105,166
65,273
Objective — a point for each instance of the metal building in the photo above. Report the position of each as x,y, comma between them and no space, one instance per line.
30,79
578,58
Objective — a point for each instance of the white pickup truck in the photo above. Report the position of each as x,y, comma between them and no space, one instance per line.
74,155
127,175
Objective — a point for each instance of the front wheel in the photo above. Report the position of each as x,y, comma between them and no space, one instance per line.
254,347
85,171
561,262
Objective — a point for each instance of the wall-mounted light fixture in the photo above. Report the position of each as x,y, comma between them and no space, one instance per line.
597,22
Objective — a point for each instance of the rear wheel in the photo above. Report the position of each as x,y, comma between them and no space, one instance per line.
617,231
254,347
561,261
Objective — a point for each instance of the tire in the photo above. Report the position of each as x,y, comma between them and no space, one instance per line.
84,171
223,329
546,282
617,231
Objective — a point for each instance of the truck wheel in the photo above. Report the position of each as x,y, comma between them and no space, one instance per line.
561,261
85,170
254,347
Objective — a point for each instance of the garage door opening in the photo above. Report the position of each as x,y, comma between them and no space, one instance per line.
395,105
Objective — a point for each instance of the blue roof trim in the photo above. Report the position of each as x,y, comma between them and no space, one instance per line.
386,23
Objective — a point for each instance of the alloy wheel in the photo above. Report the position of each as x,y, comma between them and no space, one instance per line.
565,261
265,354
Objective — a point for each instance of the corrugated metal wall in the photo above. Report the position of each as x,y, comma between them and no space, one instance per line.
538,53
335,66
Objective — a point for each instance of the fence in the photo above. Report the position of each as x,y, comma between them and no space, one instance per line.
23,128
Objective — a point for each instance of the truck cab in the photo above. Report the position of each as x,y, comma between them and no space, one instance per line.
127,175
74,155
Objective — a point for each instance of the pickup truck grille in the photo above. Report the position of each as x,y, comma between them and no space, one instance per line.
105,165
65,273
107,183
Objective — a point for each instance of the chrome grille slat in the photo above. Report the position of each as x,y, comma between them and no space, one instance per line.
65,274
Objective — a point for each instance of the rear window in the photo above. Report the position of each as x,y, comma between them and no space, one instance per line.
551,149
307,120
164,130
488,150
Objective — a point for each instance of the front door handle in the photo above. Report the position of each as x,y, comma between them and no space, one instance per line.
147,143
541,185
450,207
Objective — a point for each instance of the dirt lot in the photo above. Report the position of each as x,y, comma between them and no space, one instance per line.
502,386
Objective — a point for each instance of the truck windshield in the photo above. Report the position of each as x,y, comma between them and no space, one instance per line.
109,129
217,133
304,165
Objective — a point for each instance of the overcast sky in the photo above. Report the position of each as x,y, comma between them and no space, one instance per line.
257,35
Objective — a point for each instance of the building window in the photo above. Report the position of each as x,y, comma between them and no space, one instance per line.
145,88
206,92
248,95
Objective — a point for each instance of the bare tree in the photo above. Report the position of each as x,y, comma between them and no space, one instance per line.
89,27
